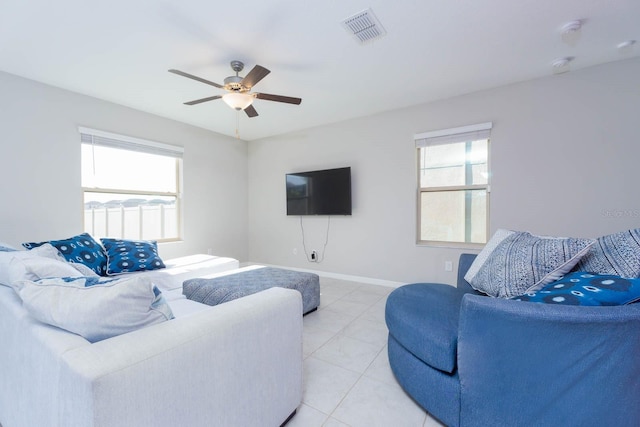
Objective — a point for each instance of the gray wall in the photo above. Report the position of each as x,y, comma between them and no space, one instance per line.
41,197
564,154
564,150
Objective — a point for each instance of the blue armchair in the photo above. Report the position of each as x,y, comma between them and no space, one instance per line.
472,360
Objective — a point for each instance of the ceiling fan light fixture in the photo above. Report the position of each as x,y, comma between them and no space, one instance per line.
237,101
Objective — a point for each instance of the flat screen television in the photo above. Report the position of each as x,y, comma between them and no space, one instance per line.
322,192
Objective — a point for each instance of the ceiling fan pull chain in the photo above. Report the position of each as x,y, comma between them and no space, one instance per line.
238,124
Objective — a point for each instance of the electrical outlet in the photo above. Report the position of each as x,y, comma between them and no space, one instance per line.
295,251
314,256
448,266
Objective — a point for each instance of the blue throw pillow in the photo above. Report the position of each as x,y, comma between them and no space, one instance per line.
82,249
126,256
580,288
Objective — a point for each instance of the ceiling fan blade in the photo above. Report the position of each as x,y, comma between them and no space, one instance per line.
198,101
191,76
278,98
255,75
251,112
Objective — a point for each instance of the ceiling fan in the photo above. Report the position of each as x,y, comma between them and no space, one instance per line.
239,95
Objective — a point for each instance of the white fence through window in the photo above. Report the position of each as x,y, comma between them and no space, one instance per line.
134,222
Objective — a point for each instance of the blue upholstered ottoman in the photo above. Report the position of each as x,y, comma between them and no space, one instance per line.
226,288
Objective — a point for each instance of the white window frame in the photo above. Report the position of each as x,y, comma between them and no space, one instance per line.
451,136
113,140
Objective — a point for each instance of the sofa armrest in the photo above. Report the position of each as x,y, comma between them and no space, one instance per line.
523,363
236,364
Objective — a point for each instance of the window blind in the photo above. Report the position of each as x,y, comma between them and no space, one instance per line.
453,135
107,139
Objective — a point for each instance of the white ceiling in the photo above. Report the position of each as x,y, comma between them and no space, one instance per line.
120,51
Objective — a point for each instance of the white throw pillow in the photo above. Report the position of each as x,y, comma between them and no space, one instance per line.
83,269
44,261
50,251
617,254
95,308
5,247
482,257
41,262
5,260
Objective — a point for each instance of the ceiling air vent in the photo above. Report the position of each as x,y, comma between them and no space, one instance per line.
364,26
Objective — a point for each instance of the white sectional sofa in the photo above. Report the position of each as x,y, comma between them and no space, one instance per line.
236,364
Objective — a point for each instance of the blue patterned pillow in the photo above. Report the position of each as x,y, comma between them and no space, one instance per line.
81,249
617,254
580,288
522,263
126,256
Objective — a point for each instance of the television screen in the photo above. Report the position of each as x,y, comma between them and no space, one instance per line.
324,192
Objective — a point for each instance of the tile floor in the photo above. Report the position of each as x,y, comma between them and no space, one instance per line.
347,378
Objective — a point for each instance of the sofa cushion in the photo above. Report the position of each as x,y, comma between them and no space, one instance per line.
617,254
126,256
581,288
95,308
423,318
81,249
523,263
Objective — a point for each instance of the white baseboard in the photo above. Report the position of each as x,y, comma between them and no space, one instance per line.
351,278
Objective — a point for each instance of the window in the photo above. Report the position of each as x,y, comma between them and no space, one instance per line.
453,181
131,187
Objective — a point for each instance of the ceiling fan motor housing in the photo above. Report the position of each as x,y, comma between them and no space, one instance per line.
232,83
